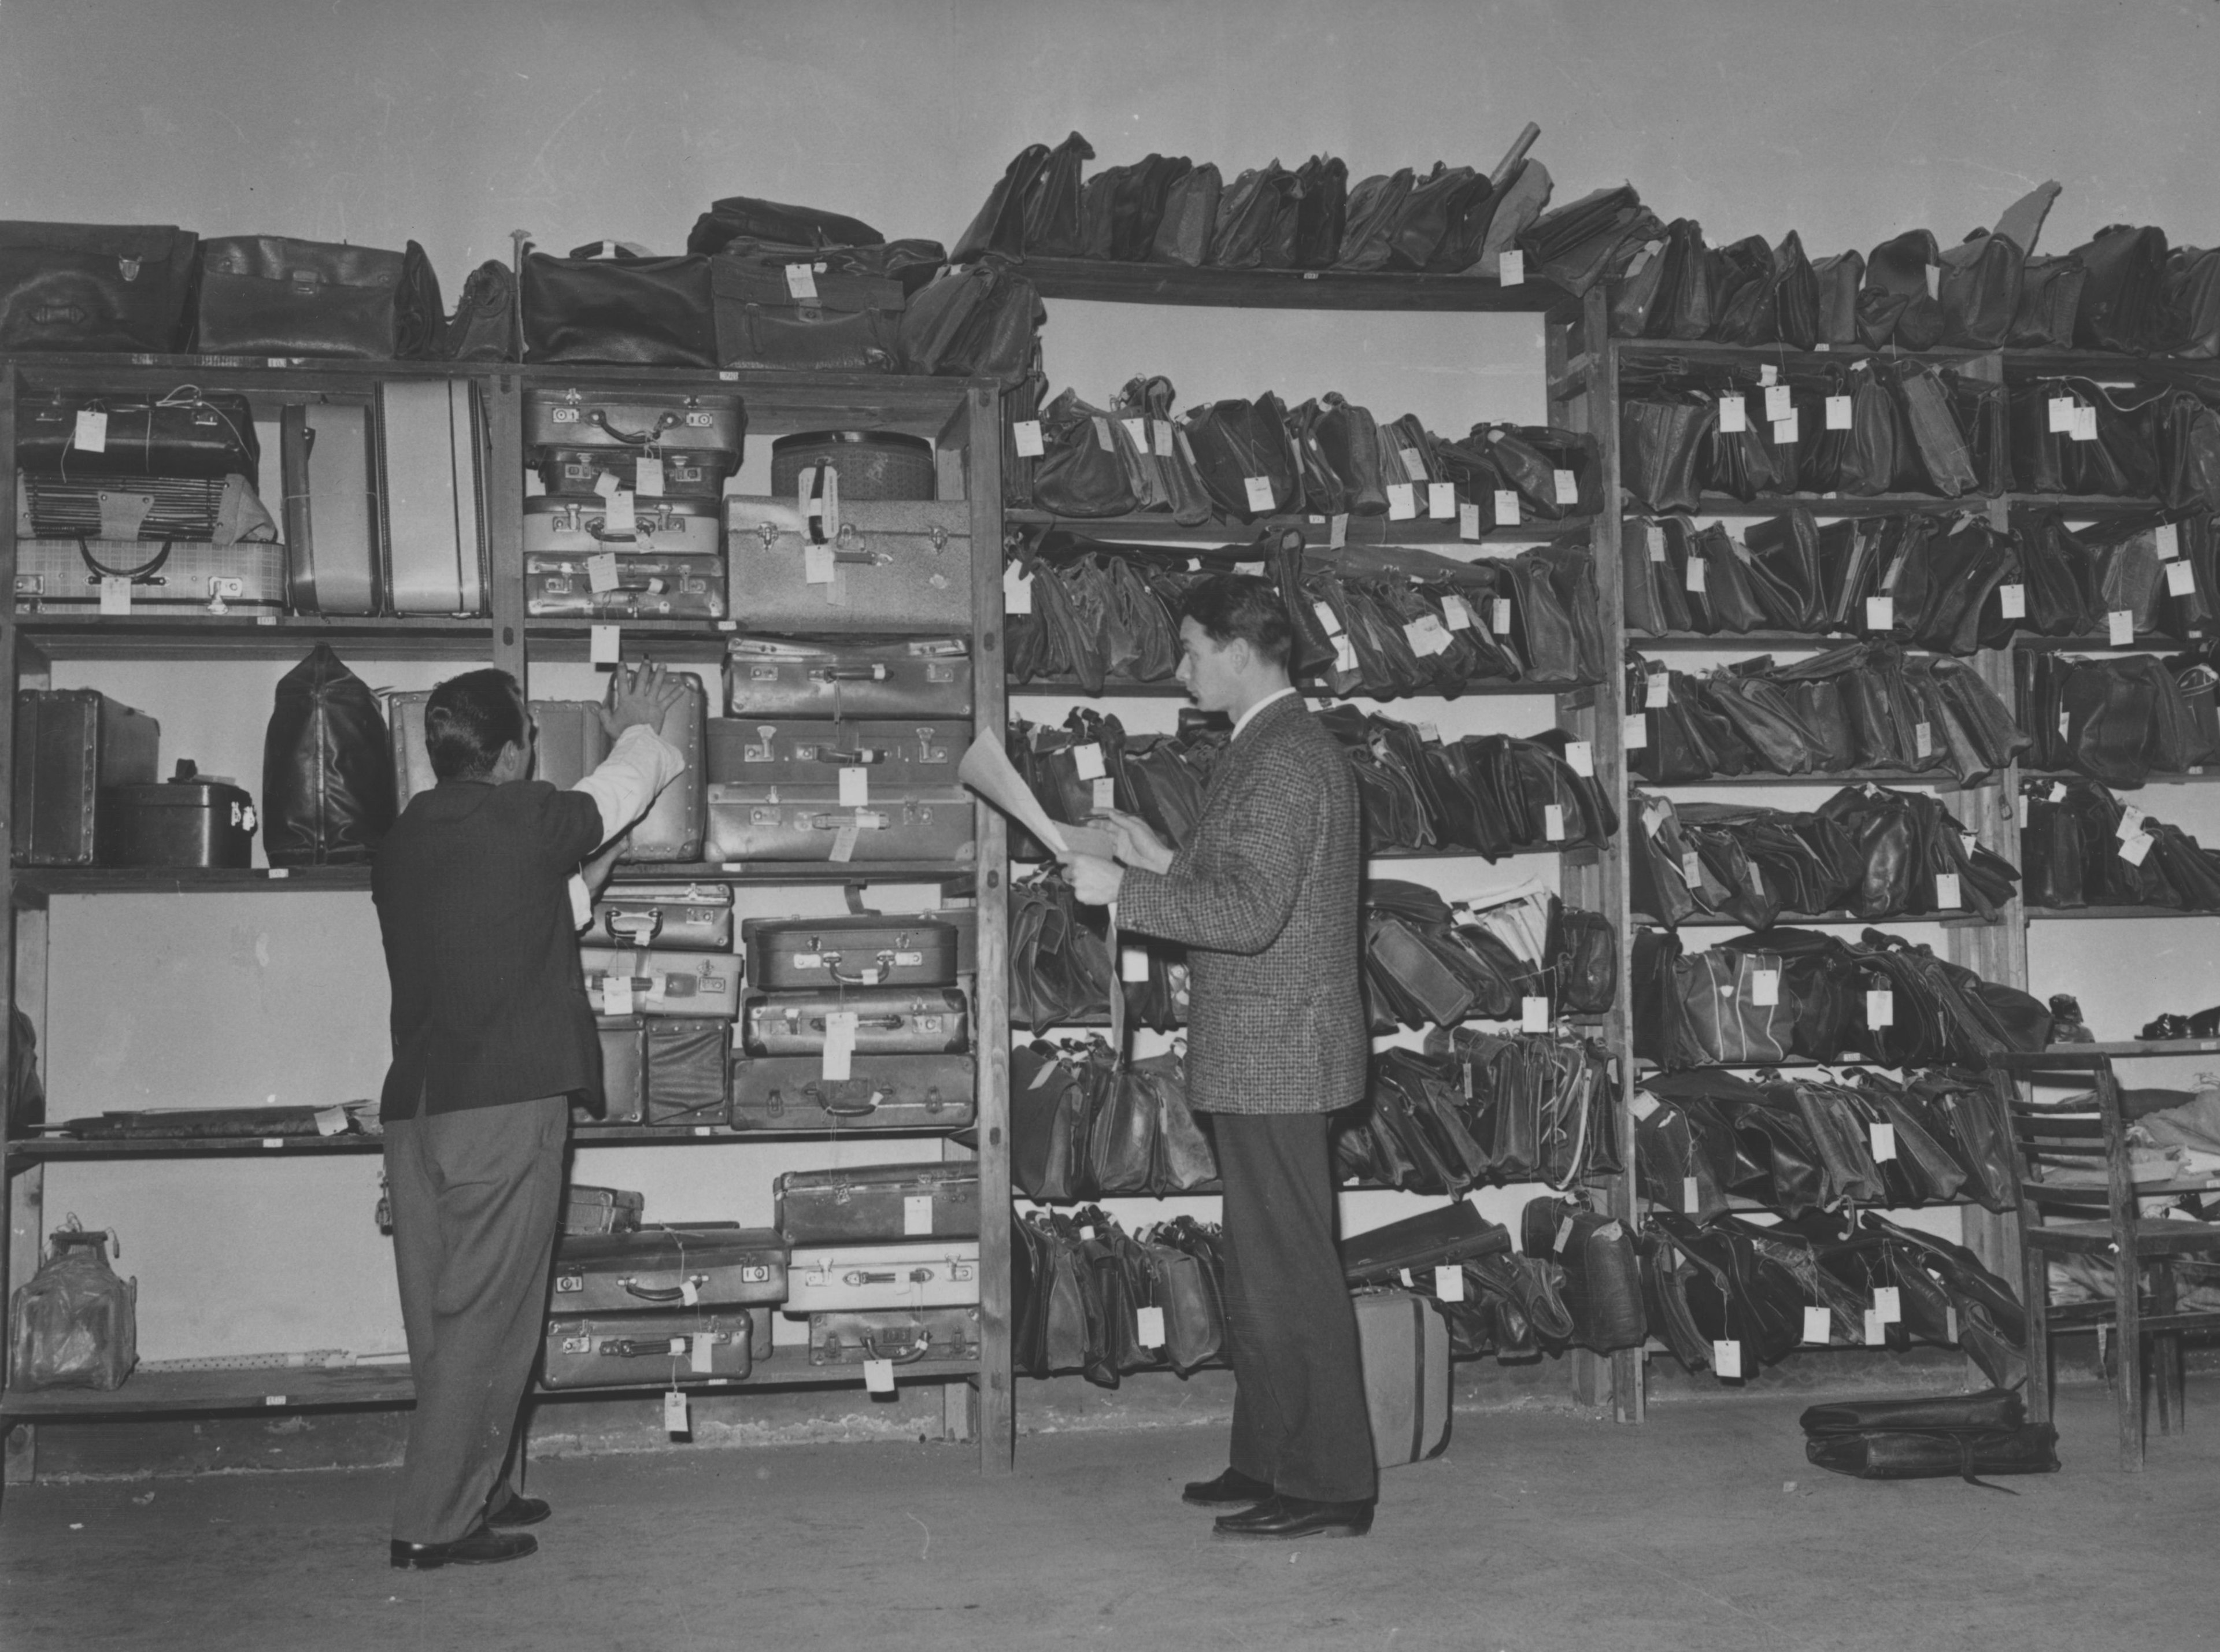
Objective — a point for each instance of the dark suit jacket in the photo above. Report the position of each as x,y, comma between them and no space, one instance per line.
489,1002
1263,893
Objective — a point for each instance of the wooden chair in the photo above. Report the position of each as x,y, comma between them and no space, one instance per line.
2100,1221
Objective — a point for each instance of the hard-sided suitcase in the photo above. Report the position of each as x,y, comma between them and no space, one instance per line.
887,566
669,1267
810,823
693,985
639,421
70,744
683,917
889,1020
187,821
624,1073
865,950
575,472
163,508
923,678
63,575
666,1350
686,1071
865,1277
663,527
889,751
913,1093
629,586
673,828
184,432
899,1335
332,560
1403,1342
588,1211
876,1204
431,474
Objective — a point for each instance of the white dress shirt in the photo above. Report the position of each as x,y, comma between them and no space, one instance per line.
627,783
1247,715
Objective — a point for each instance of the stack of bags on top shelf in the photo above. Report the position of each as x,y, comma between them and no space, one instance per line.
2119,718
2080,847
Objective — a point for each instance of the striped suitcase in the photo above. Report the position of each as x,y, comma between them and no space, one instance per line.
1403,1342
325,456
431,474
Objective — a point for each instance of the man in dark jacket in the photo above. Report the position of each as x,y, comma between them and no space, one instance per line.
479,902
1264,895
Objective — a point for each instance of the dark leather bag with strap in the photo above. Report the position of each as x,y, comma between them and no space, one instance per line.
606,305
267,295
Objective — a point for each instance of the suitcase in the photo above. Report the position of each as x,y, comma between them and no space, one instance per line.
573,472
889,751
673,828
1403,1343
657,1266
807,954
71,745
333,564
889,1020
888,565
783,676
175,508
872,464
684,917
669,1350
636,422
903,1337
578,529
861,1278
185,434
431,446
807,823
686,1071
588,1211
693,986
646,588
570,743
187,821
179,576
878,1204
624,1073
913,1093
852,325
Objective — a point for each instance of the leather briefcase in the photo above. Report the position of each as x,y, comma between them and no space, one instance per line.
889,1020
864,950
645,587
330,478
187,432
673,1348
693,986
711,425
885,565
913,1093
588,1211
268,296
624,1073
867,1204
831,322
622,310
73,744
654,1268
809,823
683,917
181,576
431,476
686,1071
576,472
784,676
911,752
861,1278
114,287
574,529
898,1336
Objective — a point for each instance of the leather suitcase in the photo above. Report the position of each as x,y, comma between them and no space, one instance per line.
865,1277
655,1267
686,1071
853,325
588,1211
576,529
809,954
1403,1343
646,588
180,576
193,821
921,677
636,422
673,1349
624,1073
889,1020
71,744
682,917
692,986
185,434
889,751
916,1092
573,472
869,1204
431,446
903,1337
333,564
895,566
807,823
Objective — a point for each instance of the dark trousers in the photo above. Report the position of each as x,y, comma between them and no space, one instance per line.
1299,1421
477,1197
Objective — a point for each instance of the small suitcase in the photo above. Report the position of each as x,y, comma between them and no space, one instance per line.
1403,1343
806,954
332,559
863,1278
889,1020
179,576
888,565
624,1073
576,529
71,745
878,1204
683,917
927,678
638,422
658,1266
574,472
431,443
686,1071
809,823
644,588
673,827
912,1093
903,1337
588,1211
915,752
187,432
693,985
188,820
669,1350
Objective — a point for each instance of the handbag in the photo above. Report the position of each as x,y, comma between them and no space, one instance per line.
483,325
1190,213
73,1324
981,320
1051,206
609,305
267,295
326,767
2123,304
112,288
744,217
1321,210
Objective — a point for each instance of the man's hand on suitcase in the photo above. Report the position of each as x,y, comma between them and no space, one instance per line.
640,695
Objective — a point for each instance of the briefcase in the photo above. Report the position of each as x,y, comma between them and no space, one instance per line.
119,288
869,1204
657,1267
869,950
634,422
786,677
63,575
889,1020
570,744
634,587
686,1071
430,447
187,432
831,321
331,542
913,1093
270,296
809,823
188,820
624,1073
675,1348
576,472
683,917
1403,1345
888,565
589,1210
896,1335
888,752
693,985
863,1278
662,528
71,745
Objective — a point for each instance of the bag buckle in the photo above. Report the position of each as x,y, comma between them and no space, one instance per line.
128,268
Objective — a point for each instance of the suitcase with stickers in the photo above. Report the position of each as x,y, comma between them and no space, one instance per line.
887,1021
865,950
899,1335
673,1349
708,1265
692,986
919,677
682,917
866,1278
811,823
907,1093
914,751
711,425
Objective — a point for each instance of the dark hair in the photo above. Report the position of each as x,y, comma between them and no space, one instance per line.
1227,606
469,718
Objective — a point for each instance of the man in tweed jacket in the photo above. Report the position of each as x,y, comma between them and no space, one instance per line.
1264,895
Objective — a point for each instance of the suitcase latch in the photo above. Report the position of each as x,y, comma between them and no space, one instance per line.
934,673
223,586
926,751
569,1281
762,753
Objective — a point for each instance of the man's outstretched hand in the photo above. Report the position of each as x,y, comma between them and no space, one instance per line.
640,696
1137,845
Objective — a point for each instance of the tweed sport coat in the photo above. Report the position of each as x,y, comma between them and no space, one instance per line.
1264,894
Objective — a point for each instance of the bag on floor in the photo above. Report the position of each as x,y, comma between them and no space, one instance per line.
1403,1345
75,1325
1930,1438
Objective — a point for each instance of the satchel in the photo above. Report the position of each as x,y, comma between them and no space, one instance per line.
73,1324
744,217
1926,1438
999,227
1190,214
1321,210
608,305
115,289
326,767
978,321
483,325
267,295
2124,293
1051,209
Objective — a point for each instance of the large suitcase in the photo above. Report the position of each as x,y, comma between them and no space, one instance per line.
576,472
333,564
903,1337
624,1073
663,1267
868,1204
187,432
868,950
924,677
693,985
70,744
888,565
63,575
632,588
666,1350
889,1020
665,528
865,1277
640,421
431,472
912,1093
686,1064
1403,1343
809,823
185,821
891,751
588,1211
683,917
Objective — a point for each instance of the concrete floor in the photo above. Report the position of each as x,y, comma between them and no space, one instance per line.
1542,1528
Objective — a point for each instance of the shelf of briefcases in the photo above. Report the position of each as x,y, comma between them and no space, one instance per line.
215,637
1116,282
1359,533
2015,365
1577,694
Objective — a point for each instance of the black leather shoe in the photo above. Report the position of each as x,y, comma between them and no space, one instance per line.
519,1511
483,1547
1231,1487
1298,1517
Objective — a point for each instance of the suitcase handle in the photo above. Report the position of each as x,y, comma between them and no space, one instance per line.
625,926
910,1355
138,576
657,1294
874,672
666,420
862,754
630,1348
826,1103
891,1023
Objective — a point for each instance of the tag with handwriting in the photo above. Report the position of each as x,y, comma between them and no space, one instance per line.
1883,1138
2181,579
1259,490
1838,413
2169,538
1553,822
1579,757
1088,760
90,435
1779,404
1565,487
917,1216
1025,437
1402,502
1449,1282
1533,1014
1634,731
1506,507
1441,501
1880,1007
2120,627
674,1414
1734,415
1765,987
1888,1305
1510,268
1818,1325
1948,895
2011,601
839,1045
1468,521
602,571
647,476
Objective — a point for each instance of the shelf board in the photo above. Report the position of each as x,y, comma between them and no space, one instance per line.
2140,1047
2023,364
2186,778
1834,505
793,871
1170,689
37,882
1722,920
1106,281
206,636
1942,781
1781,356
2132,912
1363,531
167,1147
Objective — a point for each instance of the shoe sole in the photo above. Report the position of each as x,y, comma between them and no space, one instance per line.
1364,1531
432,1564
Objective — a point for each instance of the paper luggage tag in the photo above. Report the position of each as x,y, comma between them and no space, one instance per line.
1137,432
1697,575
1104,792
1883,1138
1499,615
818,567
616,994
1726,1360
1133,964
1579,757
1564,487
839,1045
1881,612
1025,437
917,1216
1880,1007
2134,850
2084,424
1016,590
1657,691
1634,734
90,435
619,519
1506,507
1838,413
801,283
1149,1326
855,788
674,1414
2011,601
1468,521
1337,530
1948,895
1734,415
1259,490
878,1376
2181,579
114,593
1553,822
1088,759
1644,1105
1442,500
604,644
2168,539
2120,627
1785,431
1402,502
1533,1014
1427,636
1654,534
1455,613
1161,431
2060,409
1765,987
1778,403
1565,1231
1888,1305
1510,268
700,1357
1691,1195
1818,1325
1876,1330
1449,1282
647,476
